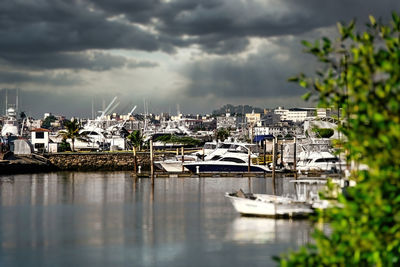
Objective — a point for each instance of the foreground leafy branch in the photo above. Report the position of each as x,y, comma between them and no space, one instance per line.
361,79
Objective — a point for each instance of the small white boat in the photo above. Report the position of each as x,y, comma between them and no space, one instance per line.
303,204
268,205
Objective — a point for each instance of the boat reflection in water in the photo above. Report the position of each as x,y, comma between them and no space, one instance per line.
253,230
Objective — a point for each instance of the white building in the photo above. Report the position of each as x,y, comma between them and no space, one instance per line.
295,114
324,112
269,130
40,139
282,112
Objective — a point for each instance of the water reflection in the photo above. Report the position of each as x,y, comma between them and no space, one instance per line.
61,219
252,230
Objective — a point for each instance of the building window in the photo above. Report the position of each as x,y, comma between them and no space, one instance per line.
39,135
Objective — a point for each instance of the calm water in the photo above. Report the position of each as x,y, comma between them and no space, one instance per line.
106,219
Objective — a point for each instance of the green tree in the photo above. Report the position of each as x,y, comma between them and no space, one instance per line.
362,79
136,138
71,131
64,145
184,140
323,132
47,122
222,134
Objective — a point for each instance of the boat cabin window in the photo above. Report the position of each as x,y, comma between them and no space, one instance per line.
327,160
210,146
216,158
236,160
225,146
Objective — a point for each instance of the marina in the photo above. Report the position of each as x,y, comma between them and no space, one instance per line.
199,133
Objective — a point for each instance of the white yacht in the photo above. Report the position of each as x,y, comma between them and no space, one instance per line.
323,161
228,157
10,126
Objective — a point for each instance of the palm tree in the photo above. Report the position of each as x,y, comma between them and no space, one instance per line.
72,132
136,139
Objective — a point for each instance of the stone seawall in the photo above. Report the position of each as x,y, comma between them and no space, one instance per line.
98,161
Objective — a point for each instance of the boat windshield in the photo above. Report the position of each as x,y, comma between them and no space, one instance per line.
230,159
223,145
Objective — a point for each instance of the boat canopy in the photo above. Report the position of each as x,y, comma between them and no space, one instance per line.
259,138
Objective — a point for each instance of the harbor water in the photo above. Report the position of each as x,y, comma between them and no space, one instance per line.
109,219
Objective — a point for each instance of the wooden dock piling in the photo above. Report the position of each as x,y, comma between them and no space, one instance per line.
183,158
273,165
151,162
294,159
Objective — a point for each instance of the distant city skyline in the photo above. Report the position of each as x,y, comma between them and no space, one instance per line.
85,111
198,54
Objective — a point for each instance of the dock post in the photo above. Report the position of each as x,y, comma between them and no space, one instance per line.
273,165
177,151
282,153
265,152
151,162
249,161
183,158
134,160
294,159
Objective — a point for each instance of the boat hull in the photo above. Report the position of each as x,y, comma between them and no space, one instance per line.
224,168
269,206
170,166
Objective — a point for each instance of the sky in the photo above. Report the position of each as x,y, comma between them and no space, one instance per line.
65,55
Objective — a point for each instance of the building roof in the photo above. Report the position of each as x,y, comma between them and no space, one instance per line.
40,130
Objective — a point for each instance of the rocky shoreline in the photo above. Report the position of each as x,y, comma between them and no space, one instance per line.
73,162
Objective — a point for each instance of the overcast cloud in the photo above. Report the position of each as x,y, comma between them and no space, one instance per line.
199,54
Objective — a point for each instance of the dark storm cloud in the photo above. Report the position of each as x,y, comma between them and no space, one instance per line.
54,25
213,24
260,75
45,27
94,61
52,79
